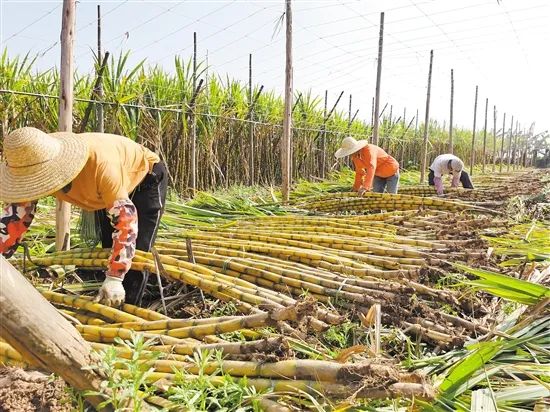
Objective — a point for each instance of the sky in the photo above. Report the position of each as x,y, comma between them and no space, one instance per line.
501,46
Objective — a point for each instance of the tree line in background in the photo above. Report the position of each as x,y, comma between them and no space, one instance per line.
237,127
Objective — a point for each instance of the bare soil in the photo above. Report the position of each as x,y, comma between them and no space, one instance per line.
28,391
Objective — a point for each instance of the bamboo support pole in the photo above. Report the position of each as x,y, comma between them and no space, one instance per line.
286,145
376,116
426,123
63,209
473,148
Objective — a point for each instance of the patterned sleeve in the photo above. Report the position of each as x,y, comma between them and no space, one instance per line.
124,219
14,222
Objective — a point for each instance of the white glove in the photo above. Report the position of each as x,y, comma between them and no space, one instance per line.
111,292
361,191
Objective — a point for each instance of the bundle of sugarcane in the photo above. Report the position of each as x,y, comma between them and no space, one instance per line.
374,379
345,202
245,295
240,272
171,342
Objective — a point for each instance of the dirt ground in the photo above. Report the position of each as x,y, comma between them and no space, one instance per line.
22,391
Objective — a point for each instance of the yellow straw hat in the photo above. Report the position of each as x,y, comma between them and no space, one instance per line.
37,164
350,146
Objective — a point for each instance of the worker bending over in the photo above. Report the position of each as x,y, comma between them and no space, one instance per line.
374,168
448,164
122,181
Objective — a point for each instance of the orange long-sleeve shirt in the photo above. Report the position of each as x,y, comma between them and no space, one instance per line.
372,161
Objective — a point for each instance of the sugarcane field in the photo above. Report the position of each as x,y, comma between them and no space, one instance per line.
279,206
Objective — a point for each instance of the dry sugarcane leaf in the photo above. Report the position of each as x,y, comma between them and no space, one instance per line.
345,354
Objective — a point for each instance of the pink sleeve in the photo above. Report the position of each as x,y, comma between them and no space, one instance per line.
456,179
438,182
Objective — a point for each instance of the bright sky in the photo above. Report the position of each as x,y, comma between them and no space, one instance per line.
501,46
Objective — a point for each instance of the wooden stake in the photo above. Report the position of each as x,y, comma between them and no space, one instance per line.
378,81
485,138
509,151
45,339
193,122
287,120
63,209
416,123
349,113
372,117
451,112
502,144
494,138
426,122
100,118
473,152
322,150
251,125
514,147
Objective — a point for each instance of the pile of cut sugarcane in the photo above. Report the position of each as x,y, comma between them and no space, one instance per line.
291,277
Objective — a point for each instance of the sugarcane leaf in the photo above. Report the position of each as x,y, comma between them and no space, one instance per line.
505,294
463,370
528,391
507,283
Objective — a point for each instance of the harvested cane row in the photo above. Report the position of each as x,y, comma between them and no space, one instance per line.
268,362
273,261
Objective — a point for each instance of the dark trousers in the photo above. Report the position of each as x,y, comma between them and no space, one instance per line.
149,198
464,179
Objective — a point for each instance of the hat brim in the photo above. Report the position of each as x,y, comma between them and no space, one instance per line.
346,152
46,178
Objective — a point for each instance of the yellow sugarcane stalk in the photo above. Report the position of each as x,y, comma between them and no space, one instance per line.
78,302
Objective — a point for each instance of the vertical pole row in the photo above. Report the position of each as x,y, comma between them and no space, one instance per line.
485,138
322,150
378,81
287,119
426,122
63,209
451,112
472,154
509,151
502,143
193,121
100,119
494,138
251,124
372,118
514,147
349,113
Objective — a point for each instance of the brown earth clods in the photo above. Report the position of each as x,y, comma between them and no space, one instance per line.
29,391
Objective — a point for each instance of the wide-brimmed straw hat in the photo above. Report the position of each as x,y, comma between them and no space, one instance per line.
36,164
350,146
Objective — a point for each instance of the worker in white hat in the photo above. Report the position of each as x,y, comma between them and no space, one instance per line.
446,164
122,181
374,169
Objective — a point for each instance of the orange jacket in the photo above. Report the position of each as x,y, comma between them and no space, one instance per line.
372,161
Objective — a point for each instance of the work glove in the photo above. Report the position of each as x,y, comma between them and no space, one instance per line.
361,191
111,292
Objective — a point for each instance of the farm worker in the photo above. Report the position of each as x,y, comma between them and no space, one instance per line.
374,168
448,164
122,181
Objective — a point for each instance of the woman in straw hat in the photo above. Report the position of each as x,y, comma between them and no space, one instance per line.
374,168
445,164
122,181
